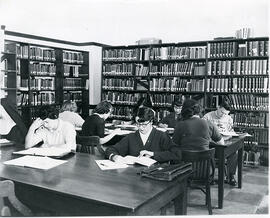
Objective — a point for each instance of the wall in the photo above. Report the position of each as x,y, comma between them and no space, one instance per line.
120,22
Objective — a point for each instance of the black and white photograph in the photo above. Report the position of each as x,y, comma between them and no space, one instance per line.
113,108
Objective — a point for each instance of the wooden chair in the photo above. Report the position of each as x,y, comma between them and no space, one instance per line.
7,191
87,144
201,165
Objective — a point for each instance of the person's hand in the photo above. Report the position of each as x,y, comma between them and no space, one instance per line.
118,159
117,131
145,153
37,124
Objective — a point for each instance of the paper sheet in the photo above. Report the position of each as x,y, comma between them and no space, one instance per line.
37,162
110,165
5,142
50,152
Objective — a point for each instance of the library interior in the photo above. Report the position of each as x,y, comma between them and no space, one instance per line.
138,107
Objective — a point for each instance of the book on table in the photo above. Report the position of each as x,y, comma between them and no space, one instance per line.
49,152
145,161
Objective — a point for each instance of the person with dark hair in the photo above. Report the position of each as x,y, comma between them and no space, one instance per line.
146,141
192,132
51,130
224,123
172,119
94,125
142,102
12,126
68,112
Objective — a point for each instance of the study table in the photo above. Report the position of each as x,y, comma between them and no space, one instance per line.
231,146
79,187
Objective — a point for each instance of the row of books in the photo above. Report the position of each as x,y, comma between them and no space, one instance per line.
259,137
72,70
122,98
72,96
43,54
165,100
160,114
72,57
42,83
238,67
241,84
121,54
175,52
235,49
251,119
178,69
122,112
244,33
118,84
118,69
36,98
248,102
176,84
42,69
72,83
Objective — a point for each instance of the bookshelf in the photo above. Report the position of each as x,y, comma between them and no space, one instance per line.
38,75
235,69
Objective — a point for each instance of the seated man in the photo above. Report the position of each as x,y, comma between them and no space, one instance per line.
146,141
51,130
224,123
172,119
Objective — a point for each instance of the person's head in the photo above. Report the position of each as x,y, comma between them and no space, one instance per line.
49,114
177,106
145,101
69,106
144,119
104,109
190,107
223,109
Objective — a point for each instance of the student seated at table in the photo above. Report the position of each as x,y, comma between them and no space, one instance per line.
172,119
192,132
12,126
146,141
51,130
68,112
224,123
94,125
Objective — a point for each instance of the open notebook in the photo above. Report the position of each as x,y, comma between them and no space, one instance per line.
145,161
49,152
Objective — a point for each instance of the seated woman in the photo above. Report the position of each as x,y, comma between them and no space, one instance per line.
12,126
146,141
94,125
172,119
51,130
192,132
68,112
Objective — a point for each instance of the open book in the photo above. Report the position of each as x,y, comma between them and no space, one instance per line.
146,161
43,163
50,152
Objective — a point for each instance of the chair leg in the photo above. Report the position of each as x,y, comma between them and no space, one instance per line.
208,197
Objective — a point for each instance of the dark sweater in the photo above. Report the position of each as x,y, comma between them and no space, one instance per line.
158,142
93,126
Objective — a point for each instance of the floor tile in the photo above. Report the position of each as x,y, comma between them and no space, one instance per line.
244,197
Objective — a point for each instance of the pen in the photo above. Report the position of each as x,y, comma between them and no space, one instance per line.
102,164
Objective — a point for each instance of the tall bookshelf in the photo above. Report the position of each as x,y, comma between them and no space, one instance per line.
40,75
235,69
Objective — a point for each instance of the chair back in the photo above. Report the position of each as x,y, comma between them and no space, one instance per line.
87,144
7,191
201,163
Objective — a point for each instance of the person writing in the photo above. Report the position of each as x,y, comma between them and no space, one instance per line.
94,125
52,131
68,112
146,141
224,123
172,119
192,132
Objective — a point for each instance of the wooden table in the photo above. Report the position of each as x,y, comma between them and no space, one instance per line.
79,187
222,152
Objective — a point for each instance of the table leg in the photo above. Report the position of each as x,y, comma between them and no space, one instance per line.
221,165
180,202
240,166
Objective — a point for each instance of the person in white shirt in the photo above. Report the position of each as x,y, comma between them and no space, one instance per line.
68,112
51,130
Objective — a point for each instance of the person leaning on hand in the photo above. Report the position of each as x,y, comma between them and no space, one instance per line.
146,141
51,130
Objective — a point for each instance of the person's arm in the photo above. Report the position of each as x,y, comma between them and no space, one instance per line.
215,134
118,150
32,138
107,138
78,120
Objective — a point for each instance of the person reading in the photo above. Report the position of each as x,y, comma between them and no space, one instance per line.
172,119
51,131
94,125
224,123
147,141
